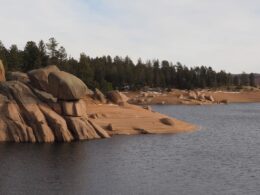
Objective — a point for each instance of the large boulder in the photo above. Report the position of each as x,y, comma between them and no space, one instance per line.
65,86
39,77
98,95
2,72
117,97
81,128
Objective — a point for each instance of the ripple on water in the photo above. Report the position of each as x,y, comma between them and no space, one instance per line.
221,158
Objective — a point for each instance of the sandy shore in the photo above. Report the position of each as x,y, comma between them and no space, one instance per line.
129,119
184,97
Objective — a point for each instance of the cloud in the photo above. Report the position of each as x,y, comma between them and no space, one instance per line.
223,34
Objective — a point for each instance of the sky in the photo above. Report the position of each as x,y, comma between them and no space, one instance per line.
223,34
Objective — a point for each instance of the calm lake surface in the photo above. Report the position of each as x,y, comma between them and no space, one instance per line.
223,157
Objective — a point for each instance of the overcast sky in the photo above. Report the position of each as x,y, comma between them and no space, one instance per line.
224,34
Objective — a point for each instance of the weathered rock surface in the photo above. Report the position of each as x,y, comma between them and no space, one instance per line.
28,103
117,97
18,76
18,129
81,128
100,131
210,98
65,86
2,72
29,113
74,108
39,77
57,124
100,96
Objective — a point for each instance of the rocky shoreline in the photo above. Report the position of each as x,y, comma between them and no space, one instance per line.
193,97
49,105
45,105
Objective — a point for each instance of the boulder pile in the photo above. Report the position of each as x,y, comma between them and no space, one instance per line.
198,96
45,105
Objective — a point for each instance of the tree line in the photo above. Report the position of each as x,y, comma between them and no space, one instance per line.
109,73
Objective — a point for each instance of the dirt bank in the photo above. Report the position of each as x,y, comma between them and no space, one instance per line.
129,119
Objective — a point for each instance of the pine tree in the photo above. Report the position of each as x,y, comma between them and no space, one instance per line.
62,55
53,52
14,58
43,54
244,79
32,58
252,80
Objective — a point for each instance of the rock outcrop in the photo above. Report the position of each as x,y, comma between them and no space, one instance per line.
2,72
98,95
45,105
117,97
18,76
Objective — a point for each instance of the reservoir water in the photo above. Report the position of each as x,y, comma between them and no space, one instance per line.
223,157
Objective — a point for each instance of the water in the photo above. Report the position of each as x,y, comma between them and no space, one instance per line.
223,157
